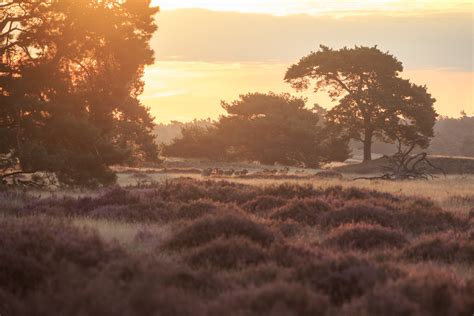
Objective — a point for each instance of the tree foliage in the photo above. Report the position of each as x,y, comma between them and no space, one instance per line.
70,75
269,128
373,100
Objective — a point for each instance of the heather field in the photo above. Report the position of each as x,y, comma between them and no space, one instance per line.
195,246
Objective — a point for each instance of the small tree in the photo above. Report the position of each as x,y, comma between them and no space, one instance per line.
373,100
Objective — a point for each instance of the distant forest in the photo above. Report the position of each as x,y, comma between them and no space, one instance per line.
453,136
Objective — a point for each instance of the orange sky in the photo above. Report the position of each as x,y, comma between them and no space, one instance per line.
206,56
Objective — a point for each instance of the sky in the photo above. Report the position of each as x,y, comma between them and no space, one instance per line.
208,51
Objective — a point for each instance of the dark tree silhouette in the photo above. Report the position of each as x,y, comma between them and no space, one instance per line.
373,100
70,75
269,128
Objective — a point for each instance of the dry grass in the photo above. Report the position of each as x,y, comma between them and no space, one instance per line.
135,237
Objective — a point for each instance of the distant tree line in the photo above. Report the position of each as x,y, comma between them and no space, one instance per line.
454,137
166,133
374,103
269,128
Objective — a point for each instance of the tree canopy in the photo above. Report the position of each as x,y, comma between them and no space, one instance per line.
269,128
70,77
373,100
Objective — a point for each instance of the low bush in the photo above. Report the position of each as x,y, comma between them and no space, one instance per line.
230,253
434,293
133,213
196,209
358,212
209,228
290,255
340,277
272,299
33,249
263,203
354,193
290,191
304,211
443,247
425,220
257,275
365,237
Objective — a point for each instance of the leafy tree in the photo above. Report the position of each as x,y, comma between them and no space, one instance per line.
373,101
70,75
269,128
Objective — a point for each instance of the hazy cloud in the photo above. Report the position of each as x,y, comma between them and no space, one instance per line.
420,41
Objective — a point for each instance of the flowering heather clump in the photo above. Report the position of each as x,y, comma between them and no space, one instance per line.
365,237
264,203
425,220
289,255
358,212
209,228
132,213
444,247
418,294
34,249
222,248
226,254
341,277
290,191
304,211
273,299
357,194
196,209
185,190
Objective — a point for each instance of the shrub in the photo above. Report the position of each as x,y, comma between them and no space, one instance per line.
12,200
263,203
209,228
257,275
436,293
289,255
329,174
341,278
196,209
33,249
132,213
357,212
444,247
117,195
202,283
307,211
288,228
272,299
354,193
186,190
226,254
290,191
364,237
424,220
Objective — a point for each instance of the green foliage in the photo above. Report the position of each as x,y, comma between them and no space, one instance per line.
69,82
269,128
373,100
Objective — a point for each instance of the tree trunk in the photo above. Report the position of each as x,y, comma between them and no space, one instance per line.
368,146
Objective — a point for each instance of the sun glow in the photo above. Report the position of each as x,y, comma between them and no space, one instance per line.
344,7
